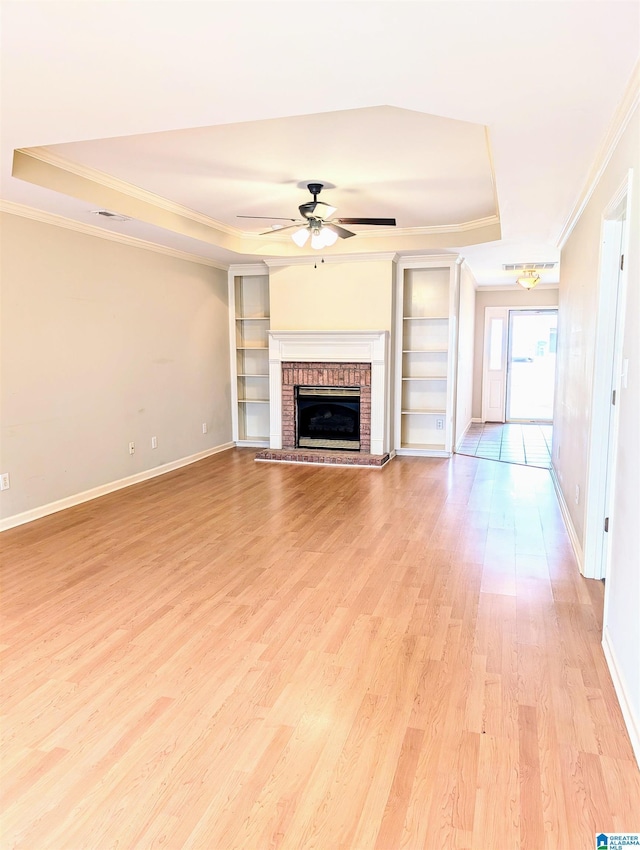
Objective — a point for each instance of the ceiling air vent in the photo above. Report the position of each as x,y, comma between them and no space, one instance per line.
113,216
519,267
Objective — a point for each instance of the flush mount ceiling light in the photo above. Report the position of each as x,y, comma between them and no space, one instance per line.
528,279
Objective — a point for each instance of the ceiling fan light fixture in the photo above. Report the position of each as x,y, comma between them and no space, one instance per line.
330,237
528,279
300,236
322,237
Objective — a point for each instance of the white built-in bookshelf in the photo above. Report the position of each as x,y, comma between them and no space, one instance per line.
249,308
425,355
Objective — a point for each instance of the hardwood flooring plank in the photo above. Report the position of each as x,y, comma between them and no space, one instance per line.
244,656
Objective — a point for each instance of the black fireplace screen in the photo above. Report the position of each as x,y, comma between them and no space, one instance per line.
328,417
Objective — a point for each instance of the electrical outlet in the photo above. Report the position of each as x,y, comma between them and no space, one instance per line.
577,496
4,481
154,442
204,427
440,424
132,448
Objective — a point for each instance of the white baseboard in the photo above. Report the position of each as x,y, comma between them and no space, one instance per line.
103,489
464,434
477,420
631,721
566,516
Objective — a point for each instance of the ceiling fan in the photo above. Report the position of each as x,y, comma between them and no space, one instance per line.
316,222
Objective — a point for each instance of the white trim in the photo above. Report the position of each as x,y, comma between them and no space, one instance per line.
331,347
512,287
427,261
11,208
103,489
626,108
422,453
609,335
108,181
458,227
43,154
324,259
477,419
568,522
464,434
260,267
626,705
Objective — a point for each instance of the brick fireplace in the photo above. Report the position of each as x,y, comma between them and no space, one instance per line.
299,374
330,359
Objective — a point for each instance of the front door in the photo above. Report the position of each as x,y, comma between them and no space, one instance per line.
531,365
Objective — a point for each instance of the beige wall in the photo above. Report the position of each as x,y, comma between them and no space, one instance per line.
466,334
517,299
579,288
103,344
333,296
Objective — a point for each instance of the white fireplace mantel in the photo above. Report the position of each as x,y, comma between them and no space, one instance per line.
332,347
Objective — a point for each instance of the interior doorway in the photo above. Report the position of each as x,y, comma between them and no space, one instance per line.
531,365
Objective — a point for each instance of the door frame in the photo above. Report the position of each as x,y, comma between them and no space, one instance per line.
607,377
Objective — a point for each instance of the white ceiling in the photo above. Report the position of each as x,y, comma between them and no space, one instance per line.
444,115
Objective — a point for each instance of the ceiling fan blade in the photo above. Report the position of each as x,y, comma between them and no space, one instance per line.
270,217
280,229
342,233
390,222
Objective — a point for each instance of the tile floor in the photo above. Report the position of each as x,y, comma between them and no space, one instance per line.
511,443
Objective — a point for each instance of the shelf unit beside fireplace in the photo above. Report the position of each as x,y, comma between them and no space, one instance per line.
249,297
425,356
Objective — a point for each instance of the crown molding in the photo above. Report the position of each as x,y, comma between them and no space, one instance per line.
462,227
513,287
619,123
248,269
23,211
94,175
419,261
309,259
48,157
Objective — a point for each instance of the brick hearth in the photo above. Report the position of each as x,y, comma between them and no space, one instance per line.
330,457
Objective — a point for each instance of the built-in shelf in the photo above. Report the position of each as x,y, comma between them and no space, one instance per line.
425,318
427,411
249,297
426,349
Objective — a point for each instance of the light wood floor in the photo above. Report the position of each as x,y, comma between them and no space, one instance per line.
259,656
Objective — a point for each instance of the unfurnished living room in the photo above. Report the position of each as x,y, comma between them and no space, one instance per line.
319,427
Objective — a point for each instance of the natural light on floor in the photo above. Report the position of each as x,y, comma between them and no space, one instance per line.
529,444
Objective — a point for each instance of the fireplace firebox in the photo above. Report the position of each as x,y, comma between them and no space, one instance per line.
328,417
